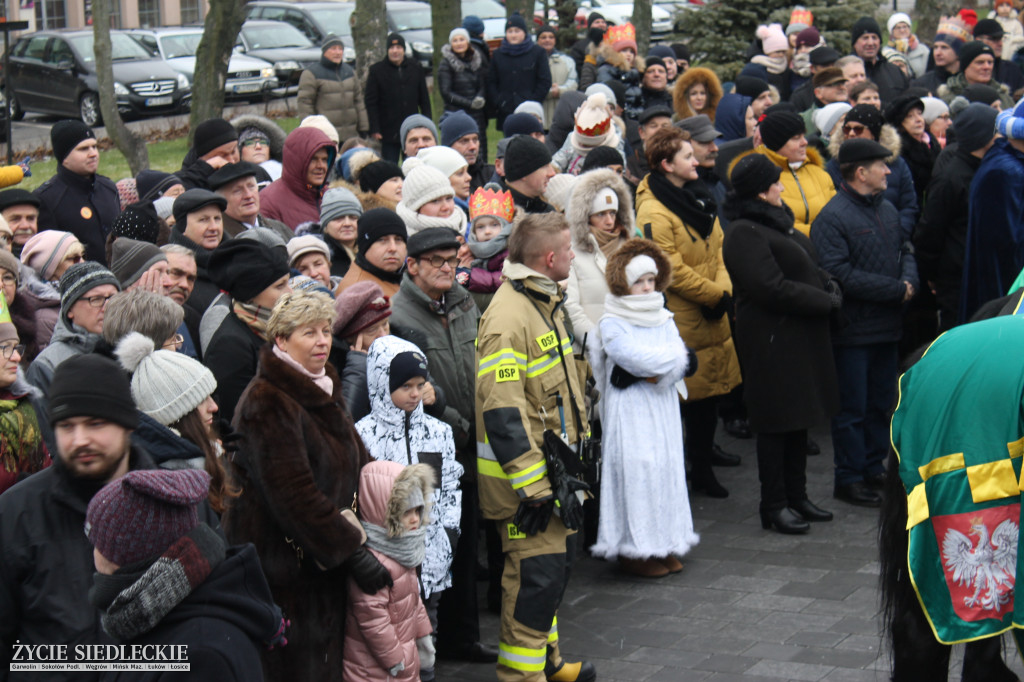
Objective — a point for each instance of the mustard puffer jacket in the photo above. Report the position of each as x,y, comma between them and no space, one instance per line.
808,188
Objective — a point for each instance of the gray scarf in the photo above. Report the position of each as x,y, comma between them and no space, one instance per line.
407,549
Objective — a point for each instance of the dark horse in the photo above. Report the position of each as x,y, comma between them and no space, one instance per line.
916,654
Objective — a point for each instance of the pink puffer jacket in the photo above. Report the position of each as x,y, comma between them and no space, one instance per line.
381,629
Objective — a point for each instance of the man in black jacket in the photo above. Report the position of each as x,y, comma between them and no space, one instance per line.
990,32
867,44
396,88
78,199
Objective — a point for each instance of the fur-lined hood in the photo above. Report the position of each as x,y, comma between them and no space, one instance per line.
615,272
275,135
689,78
888,138
577,211
606,55
458,63
385,489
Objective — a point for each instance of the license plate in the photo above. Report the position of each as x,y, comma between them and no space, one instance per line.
158,101
248,87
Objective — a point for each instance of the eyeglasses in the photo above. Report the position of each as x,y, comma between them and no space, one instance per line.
256,141
77,258
853,129
97,301
9,279
177,341
438,262
9,349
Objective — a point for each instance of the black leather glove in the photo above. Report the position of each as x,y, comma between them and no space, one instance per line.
569,506
367,571
723,306
691,363
620,378
835,293
532,518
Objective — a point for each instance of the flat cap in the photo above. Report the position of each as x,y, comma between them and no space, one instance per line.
431,239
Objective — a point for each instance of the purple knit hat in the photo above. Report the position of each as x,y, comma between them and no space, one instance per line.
360,306
141,514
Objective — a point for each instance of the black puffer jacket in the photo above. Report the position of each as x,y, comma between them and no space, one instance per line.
461,79
858,242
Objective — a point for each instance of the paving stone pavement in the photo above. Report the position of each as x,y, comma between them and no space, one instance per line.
749,606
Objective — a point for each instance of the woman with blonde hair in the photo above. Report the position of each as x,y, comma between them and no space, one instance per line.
697,91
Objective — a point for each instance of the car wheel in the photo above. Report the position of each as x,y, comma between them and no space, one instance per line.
89,109
13,108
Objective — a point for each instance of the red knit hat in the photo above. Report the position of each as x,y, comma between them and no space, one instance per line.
141,514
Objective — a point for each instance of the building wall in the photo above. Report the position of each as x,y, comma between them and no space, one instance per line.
74,13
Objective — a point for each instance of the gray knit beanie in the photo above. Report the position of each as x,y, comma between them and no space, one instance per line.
416,121
130,259
78,280
339,202
165,385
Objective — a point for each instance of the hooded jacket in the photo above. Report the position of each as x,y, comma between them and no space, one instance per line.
899,189
382,628
584,296
65,343
686,80
807,189
275,136
334,91
290,199
393,435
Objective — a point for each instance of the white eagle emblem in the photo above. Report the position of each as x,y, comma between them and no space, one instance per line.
990,567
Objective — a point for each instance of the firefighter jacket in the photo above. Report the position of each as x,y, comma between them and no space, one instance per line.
524,363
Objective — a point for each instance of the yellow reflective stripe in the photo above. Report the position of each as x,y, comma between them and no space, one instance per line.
505,356
529,475
541,365
487,467
553,634
521,658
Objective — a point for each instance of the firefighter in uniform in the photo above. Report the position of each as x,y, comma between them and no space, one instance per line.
525,373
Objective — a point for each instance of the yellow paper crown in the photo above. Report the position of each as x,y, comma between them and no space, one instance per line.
621,32
801,15
489,202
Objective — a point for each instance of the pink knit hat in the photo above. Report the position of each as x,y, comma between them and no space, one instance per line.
773,38
141,514
45,250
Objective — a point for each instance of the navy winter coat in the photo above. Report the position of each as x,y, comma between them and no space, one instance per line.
514,79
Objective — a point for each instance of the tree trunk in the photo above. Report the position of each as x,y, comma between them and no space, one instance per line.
131,145
223,22
443,15
642,23
369,31
524,7
928,14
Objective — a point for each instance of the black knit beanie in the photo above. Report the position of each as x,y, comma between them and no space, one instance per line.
754,174
245,267
862,26
867,115
601,157
376,174
92,385
523,156
778,127
212,134
377,223
404,367
751,86
66,135
971,51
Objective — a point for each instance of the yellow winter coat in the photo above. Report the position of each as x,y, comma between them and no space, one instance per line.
699,278
808,188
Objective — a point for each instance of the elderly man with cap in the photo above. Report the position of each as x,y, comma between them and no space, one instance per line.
331,87
651,120
977,64
199,227
214,144
995,226
84,289
860,243
940,236
867,44
829,88
439,313
460,132
1005,70
528,169
237,183
254,276
20,208
380,251
417,132
396,88
78,199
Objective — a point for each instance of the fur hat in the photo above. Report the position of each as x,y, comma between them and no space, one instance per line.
615,271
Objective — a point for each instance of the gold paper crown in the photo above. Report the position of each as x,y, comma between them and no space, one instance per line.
599,128
489,202
801,15
620,32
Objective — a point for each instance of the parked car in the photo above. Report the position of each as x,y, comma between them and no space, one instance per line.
620,13
248,77
281,44
54,72
315,20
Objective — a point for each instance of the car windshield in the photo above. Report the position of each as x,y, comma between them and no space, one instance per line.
122,47
335,19
485,9
279,35
412,18
180,45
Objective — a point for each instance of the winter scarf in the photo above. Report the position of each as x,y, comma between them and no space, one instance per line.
321,380
19,436
391,277
408,549
415,222
802,65
484,251
692,203
609,243
904,45
135,601
775,65
254,316
516,50
640,310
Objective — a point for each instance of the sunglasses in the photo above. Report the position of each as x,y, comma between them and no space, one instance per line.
853,128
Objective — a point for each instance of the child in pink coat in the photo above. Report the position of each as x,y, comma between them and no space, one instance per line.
387,634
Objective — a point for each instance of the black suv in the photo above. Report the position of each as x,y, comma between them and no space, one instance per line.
54,72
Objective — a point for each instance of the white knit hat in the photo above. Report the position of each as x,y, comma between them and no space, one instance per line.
423,183
306,244
640,266
444,159
933,108
594,125
165,385
559,187
898,18
606,199
323,124
825,118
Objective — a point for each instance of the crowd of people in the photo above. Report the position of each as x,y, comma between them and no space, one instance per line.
289,388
